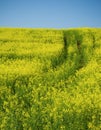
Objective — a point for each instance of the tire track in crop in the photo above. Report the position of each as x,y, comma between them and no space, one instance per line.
61,57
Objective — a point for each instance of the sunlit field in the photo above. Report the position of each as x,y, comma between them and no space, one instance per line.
50,79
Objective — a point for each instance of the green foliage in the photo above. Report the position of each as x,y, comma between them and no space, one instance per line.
50,79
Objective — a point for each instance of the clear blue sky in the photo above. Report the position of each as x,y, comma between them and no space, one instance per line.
50,13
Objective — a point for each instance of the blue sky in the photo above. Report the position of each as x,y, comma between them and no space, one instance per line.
50,13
